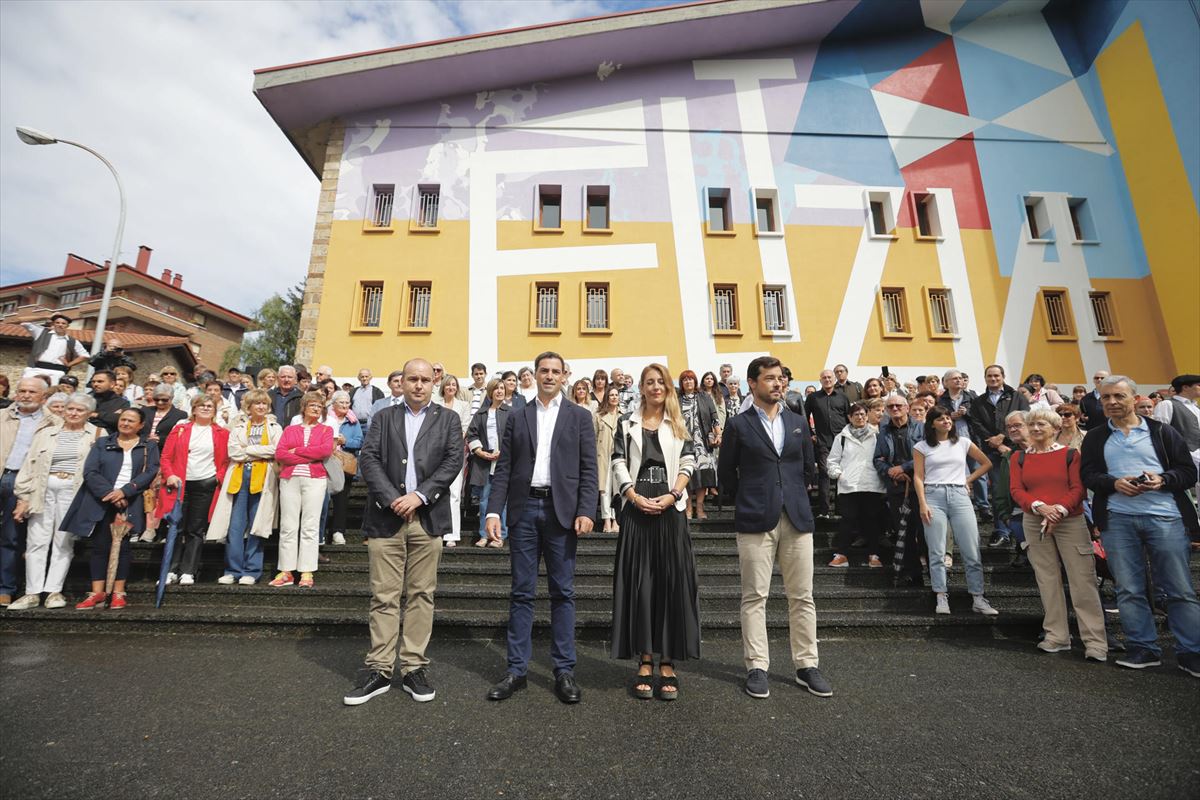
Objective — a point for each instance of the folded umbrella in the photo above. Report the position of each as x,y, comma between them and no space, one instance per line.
118,530
172,520
901,534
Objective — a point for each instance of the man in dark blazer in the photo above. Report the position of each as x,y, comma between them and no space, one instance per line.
413,452
547,480
766,462
1090,405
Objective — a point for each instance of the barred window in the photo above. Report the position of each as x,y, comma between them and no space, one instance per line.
370,304
894,306
1058,313
596,302
774,300
428,197
420,295
725,313
382,199
1104,314
546,313
942,321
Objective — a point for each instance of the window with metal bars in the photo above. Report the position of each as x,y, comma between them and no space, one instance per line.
894,308
596,306
725,307
774,301
420,295
370,305
382,199
428,197
1058,313
1103,313
546,312
942,321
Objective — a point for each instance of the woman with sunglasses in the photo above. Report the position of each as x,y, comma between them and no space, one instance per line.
1070,435
943,488
179,395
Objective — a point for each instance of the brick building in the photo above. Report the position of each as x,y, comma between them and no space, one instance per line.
157,320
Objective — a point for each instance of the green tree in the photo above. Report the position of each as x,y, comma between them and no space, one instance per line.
276,325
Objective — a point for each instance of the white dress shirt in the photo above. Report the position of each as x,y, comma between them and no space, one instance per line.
547,418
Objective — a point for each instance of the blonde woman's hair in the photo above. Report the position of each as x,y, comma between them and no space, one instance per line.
255,396
1045,415
672,413
313,397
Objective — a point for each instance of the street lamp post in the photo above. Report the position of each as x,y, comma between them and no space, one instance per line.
33,136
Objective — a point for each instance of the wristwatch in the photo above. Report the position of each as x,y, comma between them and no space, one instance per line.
677,495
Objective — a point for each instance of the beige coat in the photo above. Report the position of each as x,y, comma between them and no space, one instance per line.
10,424
35,472
606,428
241,451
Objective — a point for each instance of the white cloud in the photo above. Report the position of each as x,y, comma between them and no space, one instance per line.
164,91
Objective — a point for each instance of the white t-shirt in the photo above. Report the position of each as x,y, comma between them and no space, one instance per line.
946,463
200,463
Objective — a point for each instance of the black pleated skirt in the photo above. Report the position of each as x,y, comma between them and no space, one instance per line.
656,602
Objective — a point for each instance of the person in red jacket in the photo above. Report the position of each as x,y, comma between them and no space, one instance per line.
193,465
1045,482
301,454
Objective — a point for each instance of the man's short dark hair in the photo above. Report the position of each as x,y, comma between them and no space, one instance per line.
478,365
921,379
549,354
233,369
995,366
396,373
1180,381
112,376
64,317
759,364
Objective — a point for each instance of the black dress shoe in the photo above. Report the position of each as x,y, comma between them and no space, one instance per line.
567,690
507,686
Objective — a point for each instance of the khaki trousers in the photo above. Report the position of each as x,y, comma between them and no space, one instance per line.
756,554
1071,547
405,565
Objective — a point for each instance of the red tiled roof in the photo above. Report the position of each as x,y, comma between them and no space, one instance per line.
131,341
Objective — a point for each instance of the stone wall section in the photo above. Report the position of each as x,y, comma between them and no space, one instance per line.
315,280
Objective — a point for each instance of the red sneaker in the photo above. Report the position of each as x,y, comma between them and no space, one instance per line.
93,600
117,601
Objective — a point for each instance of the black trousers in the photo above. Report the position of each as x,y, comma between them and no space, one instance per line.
102,546
338,504
824,498
197,499
914,545
863,516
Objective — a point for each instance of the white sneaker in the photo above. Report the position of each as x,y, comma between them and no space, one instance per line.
943,604
172,578
148,536
226,580
339,538
948,561
25,603
56,600
247,580
981,606
184,579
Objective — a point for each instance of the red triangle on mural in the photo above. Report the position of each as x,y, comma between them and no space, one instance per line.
933,79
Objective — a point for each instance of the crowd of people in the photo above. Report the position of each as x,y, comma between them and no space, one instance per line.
908,471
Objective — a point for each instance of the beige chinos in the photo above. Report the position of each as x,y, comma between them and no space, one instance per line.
1071,546
405,563
756,554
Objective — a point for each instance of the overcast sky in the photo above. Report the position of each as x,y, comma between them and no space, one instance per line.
163,90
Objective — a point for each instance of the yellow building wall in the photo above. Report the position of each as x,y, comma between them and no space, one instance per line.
1140,351
1162,198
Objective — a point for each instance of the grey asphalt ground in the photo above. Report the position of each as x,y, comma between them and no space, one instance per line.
183,716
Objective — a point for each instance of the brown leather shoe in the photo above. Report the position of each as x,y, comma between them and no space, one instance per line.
5,600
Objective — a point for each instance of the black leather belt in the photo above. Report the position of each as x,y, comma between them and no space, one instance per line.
539,491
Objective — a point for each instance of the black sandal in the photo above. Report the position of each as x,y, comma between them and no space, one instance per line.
644,680
668,681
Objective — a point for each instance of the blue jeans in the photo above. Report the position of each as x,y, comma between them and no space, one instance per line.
12,536
1012,528
243,554
538,535
484,493
1129,540
951,506
980,490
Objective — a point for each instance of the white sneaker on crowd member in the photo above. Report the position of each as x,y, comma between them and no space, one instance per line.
247,580
56,600
981,606
339,537
148,536
184,579
948,561
25,603
226,580
172,578
943,603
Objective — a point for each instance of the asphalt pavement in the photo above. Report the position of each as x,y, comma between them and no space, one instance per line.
183,716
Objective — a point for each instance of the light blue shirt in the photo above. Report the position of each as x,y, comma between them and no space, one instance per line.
774,427
412,429
960,425
362,404
26,427
1133,455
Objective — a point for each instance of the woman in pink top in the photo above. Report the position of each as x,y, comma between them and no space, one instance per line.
300,454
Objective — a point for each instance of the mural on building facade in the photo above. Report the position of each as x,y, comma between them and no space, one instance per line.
974,127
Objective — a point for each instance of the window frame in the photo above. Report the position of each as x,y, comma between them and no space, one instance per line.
356,319
369,225
534,286
906,331
1037,213
1045,292
1116,335
725,197
414,216
1079,210
540,191
927,201
761,291
601,190
888,213
929,293
736,330
584,286
771,196
406,307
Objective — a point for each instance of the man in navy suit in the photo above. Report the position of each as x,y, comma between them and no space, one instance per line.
547,480
767,463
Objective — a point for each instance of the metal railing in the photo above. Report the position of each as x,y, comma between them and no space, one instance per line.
941,310
420,296
372,306
547,307
725,308
597,307
381,213
895,314
427,208
774,308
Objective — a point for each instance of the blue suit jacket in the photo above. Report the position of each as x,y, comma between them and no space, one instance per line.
764,482
574,479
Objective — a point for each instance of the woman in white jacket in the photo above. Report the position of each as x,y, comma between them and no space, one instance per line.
248,501
861,491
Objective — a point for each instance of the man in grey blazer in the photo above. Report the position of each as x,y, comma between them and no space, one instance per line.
412,454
